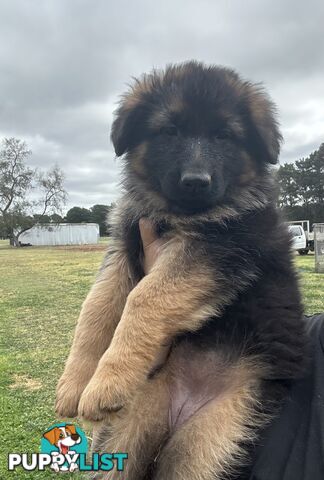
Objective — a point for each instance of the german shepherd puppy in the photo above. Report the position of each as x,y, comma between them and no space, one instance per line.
197,143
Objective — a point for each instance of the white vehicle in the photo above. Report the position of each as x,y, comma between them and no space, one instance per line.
299,238
308,233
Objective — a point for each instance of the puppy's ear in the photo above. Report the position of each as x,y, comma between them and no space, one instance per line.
52,435
129,126
266,135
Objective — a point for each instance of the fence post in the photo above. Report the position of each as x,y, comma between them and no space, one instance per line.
318,230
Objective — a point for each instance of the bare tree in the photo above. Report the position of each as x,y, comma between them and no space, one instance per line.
26,195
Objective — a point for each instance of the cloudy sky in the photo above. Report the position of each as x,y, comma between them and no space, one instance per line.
63,64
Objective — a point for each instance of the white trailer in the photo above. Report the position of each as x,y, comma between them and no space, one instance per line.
61,234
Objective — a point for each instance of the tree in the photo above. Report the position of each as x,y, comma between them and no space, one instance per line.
304,179
78,215
42,219
55,218
96,214
287,179
99,215
27,196
302,187
317,186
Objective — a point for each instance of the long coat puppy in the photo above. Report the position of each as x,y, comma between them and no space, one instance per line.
197,143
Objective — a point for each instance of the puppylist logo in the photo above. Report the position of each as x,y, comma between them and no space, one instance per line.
64,448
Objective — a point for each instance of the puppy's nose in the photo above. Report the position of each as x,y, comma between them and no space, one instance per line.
75,436
195,182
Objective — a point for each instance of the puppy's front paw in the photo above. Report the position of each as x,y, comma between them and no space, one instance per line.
68,394
102,397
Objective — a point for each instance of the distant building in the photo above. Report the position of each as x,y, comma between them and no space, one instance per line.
61,234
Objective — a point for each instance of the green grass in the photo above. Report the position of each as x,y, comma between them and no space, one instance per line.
41,291
4,243
311,283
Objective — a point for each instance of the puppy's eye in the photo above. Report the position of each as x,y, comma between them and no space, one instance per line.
169,130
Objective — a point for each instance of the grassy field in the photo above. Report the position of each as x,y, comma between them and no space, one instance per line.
41,291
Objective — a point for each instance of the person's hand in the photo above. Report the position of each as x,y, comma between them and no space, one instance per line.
151,244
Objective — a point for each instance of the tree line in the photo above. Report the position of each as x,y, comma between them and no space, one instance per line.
301,188
29,196
96,214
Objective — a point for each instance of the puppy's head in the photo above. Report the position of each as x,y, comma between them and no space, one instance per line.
194,134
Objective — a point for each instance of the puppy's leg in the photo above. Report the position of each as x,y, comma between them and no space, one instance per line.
208,445
138,430
178,295
99,316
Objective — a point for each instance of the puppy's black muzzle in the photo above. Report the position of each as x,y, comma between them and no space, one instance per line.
195,183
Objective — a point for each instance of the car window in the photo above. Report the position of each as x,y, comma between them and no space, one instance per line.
296,230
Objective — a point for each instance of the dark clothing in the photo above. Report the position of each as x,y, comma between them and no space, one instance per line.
292,447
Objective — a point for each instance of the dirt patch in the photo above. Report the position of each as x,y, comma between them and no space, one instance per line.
23,381
84,248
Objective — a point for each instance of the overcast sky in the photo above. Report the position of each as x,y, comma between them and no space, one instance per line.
64,62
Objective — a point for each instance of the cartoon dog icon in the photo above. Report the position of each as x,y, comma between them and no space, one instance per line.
63,438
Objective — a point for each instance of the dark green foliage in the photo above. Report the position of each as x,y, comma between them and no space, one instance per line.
302,188
78,215
99,215
96,214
